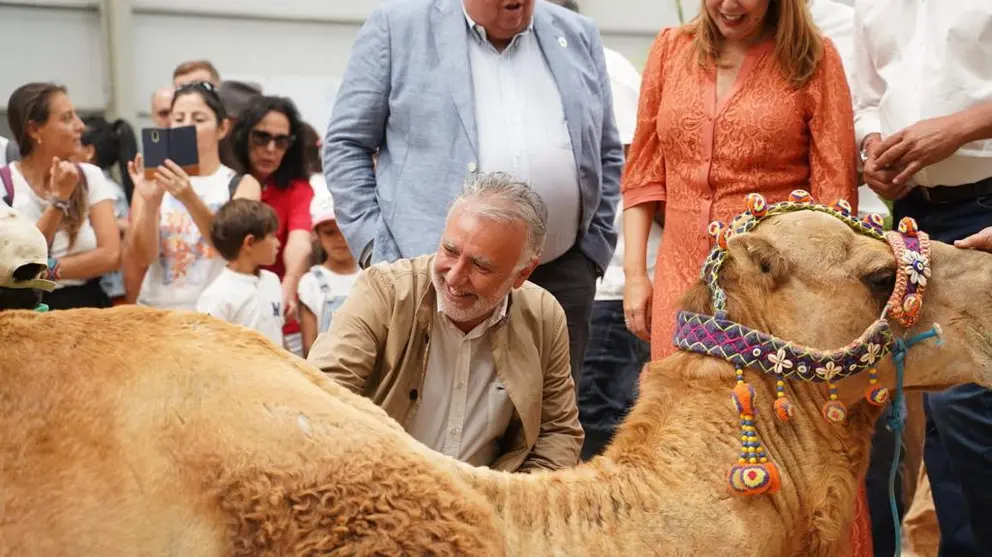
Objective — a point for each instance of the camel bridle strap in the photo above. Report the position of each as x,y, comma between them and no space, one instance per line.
716,335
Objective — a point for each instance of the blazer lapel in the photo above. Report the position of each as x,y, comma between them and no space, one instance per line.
554,44
451,40
523,383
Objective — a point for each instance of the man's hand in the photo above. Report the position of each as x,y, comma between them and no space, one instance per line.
918,146
980,241
879,179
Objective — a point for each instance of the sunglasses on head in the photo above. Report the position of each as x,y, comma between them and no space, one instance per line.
261,138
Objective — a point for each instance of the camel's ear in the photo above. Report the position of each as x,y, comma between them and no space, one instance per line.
752,250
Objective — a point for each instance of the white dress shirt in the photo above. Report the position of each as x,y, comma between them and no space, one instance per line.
522,129
625,86
465,409
918,59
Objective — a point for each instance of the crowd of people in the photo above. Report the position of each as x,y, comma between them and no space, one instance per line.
491,236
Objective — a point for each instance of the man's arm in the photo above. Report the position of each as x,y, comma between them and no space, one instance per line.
348,351
560,441
356,130
932,140
611,159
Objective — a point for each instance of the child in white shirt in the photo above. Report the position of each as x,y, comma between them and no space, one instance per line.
324,288
243,232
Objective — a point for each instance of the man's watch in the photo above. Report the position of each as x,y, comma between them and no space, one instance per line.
59,204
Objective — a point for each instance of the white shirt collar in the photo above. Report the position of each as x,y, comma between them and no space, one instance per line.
478,32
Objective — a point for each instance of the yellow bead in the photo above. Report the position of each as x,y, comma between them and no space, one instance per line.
764,460
753,460
780,383
744,438
833,397
748,417
873,381
741,461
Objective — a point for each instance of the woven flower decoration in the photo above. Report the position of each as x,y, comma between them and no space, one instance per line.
916,267
874,351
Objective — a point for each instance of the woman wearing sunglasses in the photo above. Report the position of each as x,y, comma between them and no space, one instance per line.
267,144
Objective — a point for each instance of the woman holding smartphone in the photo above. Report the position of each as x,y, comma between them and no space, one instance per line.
172,213
71,203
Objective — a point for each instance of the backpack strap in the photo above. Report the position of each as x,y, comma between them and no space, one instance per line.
232,186
321,280
12,153
8,185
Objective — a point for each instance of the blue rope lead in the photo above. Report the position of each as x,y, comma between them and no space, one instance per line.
896,420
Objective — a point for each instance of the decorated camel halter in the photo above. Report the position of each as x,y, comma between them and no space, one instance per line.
716,335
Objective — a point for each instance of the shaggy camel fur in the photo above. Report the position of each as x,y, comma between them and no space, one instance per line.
133,431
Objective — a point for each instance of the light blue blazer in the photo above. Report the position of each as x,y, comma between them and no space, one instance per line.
407,92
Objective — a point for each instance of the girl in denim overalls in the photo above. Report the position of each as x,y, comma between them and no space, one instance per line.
324,288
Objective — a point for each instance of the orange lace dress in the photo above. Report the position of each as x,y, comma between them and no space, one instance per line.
701,157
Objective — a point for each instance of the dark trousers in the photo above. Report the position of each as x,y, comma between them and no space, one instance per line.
883,529
88,295
958,446
608,385
571,279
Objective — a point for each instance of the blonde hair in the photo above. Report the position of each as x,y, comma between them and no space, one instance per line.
798,45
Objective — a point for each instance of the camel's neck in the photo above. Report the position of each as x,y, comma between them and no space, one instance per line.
686,414
662,485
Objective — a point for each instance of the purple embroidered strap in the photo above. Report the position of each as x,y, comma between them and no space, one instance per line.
745,347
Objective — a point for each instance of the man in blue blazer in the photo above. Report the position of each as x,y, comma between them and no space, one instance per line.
439,89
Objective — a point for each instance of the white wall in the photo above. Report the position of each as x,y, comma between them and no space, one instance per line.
295,47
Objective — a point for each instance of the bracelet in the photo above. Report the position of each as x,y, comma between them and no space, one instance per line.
59,204
54,269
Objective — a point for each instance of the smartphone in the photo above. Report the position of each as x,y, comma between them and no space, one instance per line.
175,144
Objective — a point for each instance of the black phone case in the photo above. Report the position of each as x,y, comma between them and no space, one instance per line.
176,144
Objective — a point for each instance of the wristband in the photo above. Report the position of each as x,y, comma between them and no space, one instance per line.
54,269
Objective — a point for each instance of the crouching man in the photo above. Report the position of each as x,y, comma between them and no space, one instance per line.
23,263
457,346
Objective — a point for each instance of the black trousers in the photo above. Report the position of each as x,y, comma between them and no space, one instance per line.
88,295
571,279
958,446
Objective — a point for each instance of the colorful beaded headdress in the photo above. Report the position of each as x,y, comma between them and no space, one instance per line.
716,335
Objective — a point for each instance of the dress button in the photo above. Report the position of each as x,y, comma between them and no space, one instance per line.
413,394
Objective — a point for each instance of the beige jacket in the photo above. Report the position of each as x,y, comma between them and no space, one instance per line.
378,342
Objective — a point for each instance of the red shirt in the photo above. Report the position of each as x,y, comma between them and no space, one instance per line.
292,206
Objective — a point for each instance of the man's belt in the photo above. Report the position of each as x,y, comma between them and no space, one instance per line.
955,194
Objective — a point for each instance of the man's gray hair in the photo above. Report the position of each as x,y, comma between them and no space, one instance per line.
501,197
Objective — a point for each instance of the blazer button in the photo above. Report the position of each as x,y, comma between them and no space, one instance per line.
472,166
413,394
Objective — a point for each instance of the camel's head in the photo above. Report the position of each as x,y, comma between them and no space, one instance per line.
808,277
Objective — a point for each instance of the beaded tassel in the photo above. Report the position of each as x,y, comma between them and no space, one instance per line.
753,474
876,394
783,408
834,410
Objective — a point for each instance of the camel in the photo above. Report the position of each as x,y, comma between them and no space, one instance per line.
134,431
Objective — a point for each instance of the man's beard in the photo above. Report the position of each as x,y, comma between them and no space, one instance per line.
479,307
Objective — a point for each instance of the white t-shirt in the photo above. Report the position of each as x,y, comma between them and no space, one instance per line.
253,301
186,263
30,206
321,290
625,84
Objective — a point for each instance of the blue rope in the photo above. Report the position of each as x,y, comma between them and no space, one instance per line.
895,421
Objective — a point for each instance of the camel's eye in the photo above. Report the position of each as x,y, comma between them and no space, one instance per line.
881,281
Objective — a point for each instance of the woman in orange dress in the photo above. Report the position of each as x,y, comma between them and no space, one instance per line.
748,97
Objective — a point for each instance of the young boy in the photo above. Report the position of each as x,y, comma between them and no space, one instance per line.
244,233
